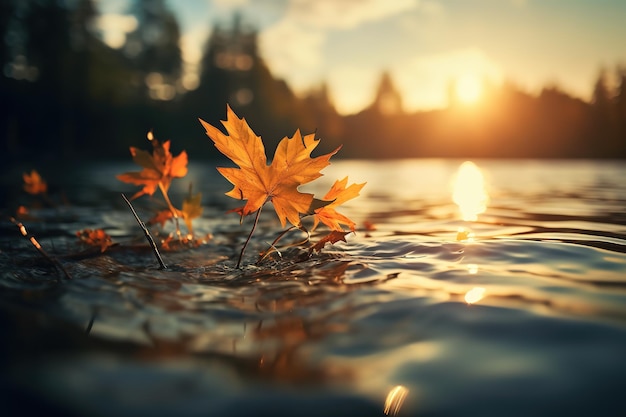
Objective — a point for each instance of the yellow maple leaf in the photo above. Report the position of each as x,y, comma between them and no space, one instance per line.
256,181
338,194
158,168
191,209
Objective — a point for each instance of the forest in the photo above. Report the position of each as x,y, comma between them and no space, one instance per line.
67,94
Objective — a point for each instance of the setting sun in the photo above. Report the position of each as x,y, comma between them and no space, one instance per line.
468,88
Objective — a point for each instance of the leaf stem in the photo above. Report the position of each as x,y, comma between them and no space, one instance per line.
256,221
171,207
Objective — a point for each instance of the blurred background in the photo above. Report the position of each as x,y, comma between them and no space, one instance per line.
404,78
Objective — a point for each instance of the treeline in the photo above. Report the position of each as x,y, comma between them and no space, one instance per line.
66,93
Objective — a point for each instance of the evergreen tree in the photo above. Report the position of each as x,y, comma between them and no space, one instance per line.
154,48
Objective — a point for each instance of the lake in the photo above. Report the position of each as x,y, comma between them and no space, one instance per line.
491,288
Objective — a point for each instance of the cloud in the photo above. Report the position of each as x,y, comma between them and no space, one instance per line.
352,88
344,14
293,46
519,3
432,8
114,28
292,53
425,79
230,4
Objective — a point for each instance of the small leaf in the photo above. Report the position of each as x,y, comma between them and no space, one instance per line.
332,238
34,184
158,168
339,194
192,209
161,217
96,237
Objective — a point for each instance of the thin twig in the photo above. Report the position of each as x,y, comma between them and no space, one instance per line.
147,233
37,246
256,221
91,321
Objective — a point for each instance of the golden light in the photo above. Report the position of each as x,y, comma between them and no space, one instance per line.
469,88
474,295
394,400
469,191
464,235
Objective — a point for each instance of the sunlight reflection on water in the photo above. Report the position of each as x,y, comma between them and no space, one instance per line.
470,192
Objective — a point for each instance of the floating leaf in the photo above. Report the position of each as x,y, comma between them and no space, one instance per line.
96,237
332,238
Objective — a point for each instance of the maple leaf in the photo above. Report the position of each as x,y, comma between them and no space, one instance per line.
337,195
161,217
159,168
33,183
333,237
191,209
256,181
96,237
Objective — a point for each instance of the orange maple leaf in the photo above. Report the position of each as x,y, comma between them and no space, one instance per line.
256,181
161,217
33,183
158,168
333,237
96,237
338,194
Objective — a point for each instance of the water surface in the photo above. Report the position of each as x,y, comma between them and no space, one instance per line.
517,308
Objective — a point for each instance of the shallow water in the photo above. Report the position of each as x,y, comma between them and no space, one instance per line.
382,318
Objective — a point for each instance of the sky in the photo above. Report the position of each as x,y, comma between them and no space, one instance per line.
423,44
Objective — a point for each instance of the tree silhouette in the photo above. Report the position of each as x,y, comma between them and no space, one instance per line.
233,72
388,100
620,109
154,49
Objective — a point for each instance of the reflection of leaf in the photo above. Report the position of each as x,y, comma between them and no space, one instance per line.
332,238
96,237
338,195
257,182
33,183
158,168
191,209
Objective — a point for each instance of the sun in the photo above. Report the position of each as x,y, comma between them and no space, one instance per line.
469,88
